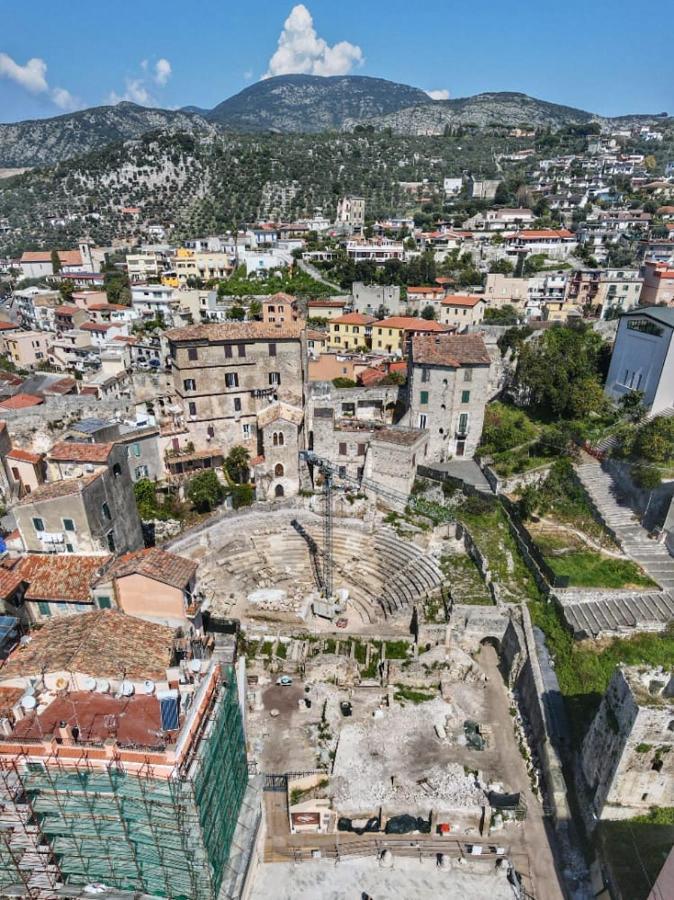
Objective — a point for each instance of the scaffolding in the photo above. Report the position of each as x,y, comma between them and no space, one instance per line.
138,832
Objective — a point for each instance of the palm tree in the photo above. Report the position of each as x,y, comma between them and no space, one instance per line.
237,464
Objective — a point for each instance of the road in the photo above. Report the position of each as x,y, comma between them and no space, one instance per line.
313,272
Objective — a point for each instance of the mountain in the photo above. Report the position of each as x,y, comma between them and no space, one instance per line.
311,103
43,141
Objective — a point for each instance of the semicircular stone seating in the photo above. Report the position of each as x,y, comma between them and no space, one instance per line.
384,574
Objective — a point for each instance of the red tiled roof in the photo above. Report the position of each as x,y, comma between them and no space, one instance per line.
353,319
64,577
237,331
8,326
24,455
76,451
67,309
10,577
541,234
410,323
462,300
327,304
95,326
452,350
55,489
67,257
21,401
155,563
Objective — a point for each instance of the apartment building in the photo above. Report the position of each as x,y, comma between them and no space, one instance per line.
280,308
389,335
459,311
224,374
505,290
141,266
658,284
127,765
376,251
94,513
352,331
447,391
26,348
605,292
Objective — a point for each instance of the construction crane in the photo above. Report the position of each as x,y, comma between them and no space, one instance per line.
329,472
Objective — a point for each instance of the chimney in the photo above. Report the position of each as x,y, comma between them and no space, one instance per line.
64,733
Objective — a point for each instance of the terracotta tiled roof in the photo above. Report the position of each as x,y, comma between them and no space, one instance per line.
10,576
56,489
280,411
327,304
8,326
424,290
21,401
96,326
410,323
67,257
62,577
24,455
237,331
157,564
75,451
353,319
104,643
67,310
453,350
462,300
542,234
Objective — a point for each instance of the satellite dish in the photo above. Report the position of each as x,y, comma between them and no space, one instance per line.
195,665
103,686
126,688
89,683
28,701
149,687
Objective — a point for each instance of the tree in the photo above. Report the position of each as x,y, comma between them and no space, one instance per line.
654,440
236,313
205,491
428,313
650,163
255,309
504,315
646,476
632,406
237,464
55,262
502,267
556,370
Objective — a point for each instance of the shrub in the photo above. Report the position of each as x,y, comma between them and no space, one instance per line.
205,491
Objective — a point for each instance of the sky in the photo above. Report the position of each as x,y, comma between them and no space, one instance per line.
607,56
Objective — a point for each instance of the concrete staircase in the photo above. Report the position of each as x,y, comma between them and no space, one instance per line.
654,558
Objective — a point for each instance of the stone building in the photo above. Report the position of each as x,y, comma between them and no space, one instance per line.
351,212
448,386
627,756
375,299
95,513
392,458
225,374
280,438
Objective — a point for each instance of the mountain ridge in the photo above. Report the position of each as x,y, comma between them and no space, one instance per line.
287,104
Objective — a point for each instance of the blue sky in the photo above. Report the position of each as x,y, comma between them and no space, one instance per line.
607,56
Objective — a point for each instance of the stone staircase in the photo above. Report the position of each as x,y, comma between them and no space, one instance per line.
653,557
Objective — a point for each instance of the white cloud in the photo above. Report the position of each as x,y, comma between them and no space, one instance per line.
301,50
248,75
439,94
162,71
33,78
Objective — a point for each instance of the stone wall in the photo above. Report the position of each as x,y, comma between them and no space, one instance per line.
658,502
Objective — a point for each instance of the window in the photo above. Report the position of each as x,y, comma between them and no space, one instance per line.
237,404
192,353
189,384
423,398
192,409
68,525
241,349
342,449
465,396
279,470
342,471
228,351
463,423
274,439
38,524
231,379
278,490
44,608
423,419
70,548
425,375
246,429
106,512
111,541
141,472
272,349
274,378
467,374
135,449
361,449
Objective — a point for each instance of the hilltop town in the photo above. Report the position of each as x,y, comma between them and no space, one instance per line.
337,535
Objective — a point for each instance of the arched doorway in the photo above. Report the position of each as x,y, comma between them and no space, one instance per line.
278,490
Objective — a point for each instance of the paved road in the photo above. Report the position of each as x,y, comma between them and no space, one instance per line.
313,272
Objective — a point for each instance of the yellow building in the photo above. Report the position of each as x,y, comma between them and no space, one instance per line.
206,266
388,335
350,332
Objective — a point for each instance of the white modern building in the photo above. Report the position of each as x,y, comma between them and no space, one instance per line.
643,357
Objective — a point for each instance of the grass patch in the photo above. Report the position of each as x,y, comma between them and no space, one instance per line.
434,611
411,695
465,580
281,650
396,649
330,646
488,526
267,648
360,652
588,568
